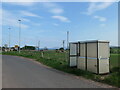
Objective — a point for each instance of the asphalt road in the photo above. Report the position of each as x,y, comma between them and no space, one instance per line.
19,72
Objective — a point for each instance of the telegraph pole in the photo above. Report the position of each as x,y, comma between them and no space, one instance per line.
67,51
63,44
67,39
19,34
38,45
9,38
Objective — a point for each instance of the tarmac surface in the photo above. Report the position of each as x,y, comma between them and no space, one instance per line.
19,72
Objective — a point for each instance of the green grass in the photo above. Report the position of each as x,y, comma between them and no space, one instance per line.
114,60
59,61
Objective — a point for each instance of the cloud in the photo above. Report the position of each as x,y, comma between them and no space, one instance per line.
21,3
95,6
60,1
25,20
53,8
0,16
102,25
36,24
13,22
57,11
49,4
11,19
55,24
26,13
101,0
18,1
26,3
102,19
61,18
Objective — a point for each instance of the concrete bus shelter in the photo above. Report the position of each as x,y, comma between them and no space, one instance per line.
92,56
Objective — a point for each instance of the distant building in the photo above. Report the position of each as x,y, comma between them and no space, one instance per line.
16,47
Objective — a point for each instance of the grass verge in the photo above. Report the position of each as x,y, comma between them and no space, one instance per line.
58,61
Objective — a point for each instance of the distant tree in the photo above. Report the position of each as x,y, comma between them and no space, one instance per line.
5,45
67,48
61,49
28,48
0,49
45,48
114,50
57,50
3,48
13,48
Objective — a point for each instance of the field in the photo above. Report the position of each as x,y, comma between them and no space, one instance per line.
114,60
59,60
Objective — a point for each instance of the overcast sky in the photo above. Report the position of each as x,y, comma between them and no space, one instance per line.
49,22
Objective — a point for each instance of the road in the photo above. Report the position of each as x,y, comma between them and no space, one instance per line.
19,72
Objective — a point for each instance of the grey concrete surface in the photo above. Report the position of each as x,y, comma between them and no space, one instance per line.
21,72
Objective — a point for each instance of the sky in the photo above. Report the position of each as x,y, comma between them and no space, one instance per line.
48,22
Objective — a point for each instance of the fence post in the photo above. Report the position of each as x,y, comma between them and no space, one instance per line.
42,54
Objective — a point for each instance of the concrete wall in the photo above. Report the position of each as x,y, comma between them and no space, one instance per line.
103,66
73,50
103,50
73,61
82,50
92,50
92,65
81,63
